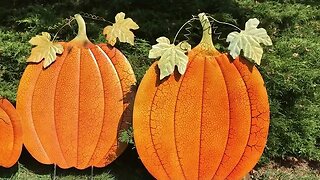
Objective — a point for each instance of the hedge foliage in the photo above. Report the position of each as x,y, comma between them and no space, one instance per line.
290,67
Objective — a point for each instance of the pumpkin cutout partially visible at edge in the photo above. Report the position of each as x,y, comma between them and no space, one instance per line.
73,111
210,123
10,134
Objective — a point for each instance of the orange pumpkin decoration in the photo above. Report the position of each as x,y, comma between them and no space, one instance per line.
10,134
73,110
210,123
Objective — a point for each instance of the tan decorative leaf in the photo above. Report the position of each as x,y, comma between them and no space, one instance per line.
249,41
121,30
45,49
170,56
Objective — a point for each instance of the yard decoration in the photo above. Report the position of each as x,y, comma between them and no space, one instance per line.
10,134
74,105
209,118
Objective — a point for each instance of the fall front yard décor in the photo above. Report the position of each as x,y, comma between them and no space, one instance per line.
10,134
73,105
203,115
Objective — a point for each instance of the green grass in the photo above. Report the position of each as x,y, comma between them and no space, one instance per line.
28,168
276,171
127,166
24,173
281,174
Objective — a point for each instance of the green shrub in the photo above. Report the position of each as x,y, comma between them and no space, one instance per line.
292,75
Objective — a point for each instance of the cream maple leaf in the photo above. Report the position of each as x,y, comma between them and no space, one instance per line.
249,41
45,49
121,30
170,56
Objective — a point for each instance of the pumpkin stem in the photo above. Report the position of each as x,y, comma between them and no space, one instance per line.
81,25
206,41
81,39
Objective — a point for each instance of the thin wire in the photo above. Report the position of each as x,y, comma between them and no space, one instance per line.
187,29
91,173
83,14
212,21
54,171
217,34
18,171
68,23
94,17
221,22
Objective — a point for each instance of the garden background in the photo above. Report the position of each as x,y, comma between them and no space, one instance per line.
290,68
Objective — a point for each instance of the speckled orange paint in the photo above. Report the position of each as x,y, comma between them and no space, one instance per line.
73,110
10,134
210,123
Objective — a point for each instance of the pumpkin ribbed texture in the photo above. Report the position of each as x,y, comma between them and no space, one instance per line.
10,134
73,110
210,123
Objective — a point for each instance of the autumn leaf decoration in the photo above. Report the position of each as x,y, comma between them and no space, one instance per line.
249,41
44,49
170,56
120,30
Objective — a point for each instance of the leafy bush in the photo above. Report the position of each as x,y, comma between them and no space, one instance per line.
292,73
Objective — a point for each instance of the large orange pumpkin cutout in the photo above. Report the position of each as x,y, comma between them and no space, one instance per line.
210,123
10,134
73,110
